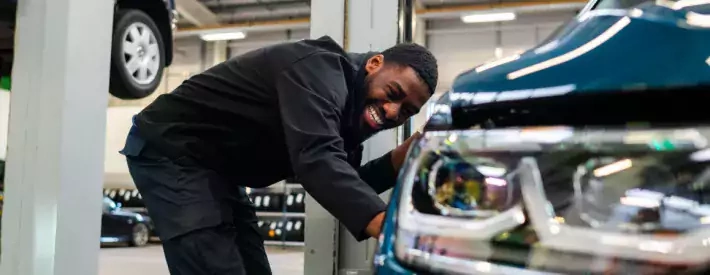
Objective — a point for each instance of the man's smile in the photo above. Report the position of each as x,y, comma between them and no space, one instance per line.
373,117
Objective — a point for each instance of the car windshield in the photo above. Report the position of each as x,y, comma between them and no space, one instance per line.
623,4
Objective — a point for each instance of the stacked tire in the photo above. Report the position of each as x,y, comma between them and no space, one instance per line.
126,197
266,201
271,228
280,229
294,230
295,201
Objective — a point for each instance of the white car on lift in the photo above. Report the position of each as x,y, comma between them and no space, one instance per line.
142,44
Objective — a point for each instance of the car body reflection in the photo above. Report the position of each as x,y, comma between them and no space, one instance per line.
587,154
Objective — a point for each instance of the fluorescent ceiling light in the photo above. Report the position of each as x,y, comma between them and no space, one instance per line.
488,17
223,36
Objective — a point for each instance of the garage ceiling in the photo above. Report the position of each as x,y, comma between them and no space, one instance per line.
243,11
249,11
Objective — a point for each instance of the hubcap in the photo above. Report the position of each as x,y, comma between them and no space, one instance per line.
141,54
140,234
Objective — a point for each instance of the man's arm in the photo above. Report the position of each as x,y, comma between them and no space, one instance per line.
311,94
381,173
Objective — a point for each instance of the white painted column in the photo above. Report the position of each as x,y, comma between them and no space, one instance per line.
52,213
219,52
420,38
321,234
4,120
372,26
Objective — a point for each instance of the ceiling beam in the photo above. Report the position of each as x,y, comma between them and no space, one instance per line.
264,14
196,13
423,13
275,25
251,3
246,8
519,6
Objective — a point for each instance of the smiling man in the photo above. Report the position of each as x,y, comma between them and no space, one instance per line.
298,110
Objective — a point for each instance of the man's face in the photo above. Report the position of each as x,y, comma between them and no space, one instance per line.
394,94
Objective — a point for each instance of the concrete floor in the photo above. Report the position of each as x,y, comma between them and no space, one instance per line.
149,260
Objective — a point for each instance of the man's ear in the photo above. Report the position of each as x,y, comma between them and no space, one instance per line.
375,63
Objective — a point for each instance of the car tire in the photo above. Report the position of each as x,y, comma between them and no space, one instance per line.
140,235
137,55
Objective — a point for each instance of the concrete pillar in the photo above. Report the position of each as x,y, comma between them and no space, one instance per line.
52,213
371,26
420,37
322,229
219,51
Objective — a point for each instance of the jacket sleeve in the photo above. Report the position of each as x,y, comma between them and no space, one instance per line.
311,93
379,173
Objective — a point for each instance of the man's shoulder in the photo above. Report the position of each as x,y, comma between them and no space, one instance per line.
308,49
324,44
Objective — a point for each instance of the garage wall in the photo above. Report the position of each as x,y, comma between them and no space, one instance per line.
258,40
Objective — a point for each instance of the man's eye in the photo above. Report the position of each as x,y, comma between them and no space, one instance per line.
391,95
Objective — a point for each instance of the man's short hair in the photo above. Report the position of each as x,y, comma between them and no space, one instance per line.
418,58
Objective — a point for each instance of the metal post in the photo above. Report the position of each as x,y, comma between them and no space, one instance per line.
364,25
372,25
406,20
321,232
219,52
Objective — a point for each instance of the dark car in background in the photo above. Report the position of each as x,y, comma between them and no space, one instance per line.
588,154
142,45
123,226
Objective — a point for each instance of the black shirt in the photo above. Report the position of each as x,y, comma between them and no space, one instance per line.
286,110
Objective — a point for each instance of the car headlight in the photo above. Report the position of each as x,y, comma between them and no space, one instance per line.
556,200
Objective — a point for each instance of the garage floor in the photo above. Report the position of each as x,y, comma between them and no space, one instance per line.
149,260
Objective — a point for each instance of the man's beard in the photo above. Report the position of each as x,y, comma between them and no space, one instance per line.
364,129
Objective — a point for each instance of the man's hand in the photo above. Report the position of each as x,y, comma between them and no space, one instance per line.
375,226
400,152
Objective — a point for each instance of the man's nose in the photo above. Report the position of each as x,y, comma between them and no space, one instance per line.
392,110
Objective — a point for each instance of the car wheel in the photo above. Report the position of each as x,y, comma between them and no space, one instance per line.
140,235
137,55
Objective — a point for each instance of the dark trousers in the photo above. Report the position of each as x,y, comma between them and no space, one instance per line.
207,224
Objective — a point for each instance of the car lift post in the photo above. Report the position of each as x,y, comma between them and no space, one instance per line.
51,219
362,26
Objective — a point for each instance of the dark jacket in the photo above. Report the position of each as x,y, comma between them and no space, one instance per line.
288,110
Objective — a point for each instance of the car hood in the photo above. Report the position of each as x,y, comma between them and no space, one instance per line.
651,46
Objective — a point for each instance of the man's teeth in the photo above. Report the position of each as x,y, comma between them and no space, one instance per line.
374,115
